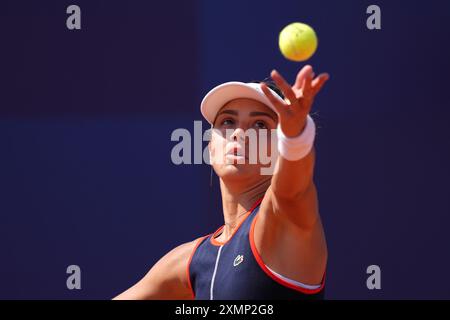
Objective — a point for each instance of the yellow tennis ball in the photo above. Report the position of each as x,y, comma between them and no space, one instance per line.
297,41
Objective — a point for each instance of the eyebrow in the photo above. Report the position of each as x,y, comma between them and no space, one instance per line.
233,112
259,113
253,113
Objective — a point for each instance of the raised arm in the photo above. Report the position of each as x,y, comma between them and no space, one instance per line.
289,233
293,181
166,280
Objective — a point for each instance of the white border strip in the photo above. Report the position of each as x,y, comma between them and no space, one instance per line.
294,282
211,296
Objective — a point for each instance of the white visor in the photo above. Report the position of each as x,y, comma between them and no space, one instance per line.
217,97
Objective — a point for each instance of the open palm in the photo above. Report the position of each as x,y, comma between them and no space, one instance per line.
298,98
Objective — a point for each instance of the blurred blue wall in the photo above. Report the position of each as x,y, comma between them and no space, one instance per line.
86,118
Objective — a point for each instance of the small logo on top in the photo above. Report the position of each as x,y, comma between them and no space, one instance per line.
239,258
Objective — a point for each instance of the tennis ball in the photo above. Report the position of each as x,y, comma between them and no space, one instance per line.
297,41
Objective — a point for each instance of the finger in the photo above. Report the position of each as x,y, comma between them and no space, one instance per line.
301,76
307,89
318,83
280,107
283,85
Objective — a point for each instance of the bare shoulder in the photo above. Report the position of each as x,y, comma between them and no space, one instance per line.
167,279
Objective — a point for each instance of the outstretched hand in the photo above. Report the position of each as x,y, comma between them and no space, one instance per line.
298,98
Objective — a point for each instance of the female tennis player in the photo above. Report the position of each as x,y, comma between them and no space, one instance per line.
272,243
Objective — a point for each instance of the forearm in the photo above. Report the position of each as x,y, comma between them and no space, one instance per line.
293,194
293,178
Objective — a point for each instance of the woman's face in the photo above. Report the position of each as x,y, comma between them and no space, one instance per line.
240,128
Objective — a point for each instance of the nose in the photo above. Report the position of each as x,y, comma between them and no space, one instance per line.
238,135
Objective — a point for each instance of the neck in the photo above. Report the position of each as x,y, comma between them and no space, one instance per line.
237,200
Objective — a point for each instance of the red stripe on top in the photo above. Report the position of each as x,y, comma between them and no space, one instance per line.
270,274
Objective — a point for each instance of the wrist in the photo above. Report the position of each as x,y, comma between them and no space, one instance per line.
296,148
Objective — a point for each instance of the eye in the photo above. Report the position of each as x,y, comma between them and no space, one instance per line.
227,122
260,124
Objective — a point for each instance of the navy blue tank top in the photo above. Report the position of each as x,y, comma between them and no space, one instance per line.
234,270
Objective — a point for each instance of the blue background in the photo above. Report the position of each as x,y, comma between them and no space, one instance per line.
86,117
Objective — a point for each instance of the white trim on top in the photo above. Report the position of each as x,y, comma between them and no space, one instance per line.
211,295
294,282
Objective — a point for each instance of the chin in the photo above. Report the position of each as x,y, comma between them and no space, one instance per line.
238,171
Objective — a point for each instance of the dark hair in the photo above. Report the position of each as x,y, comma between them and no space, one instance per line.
271,85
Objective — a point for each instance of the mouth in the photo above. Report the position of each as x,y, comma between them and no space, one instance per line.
237,157
237,153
